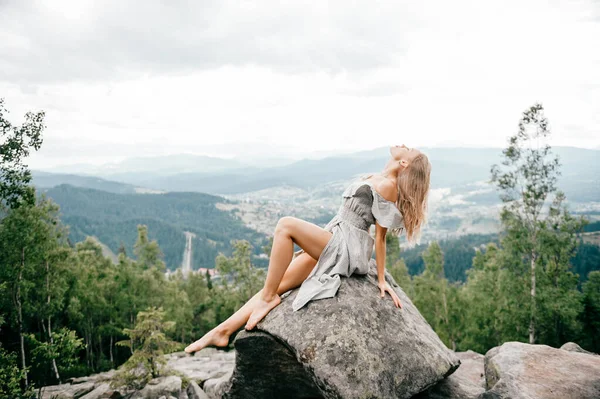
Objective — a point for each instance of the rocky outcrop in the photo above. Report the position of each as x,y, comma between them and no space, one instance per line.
67,391
573,347
159,387
519,370
209,368
468,382
355,345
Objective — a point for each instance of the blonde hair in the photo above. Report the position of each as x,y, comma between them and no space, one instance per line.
412,201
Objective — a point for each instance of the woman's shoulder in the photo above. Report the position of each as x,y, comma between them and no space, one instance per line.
381,186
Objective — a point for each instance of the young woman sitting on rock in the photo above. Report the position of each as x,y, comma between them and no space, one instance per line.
396,199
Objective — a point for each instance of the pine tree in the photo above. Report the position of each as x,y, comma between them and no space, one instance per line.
150,342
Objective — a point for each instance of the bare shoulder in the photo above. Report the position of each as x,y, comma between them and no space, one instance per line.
387,189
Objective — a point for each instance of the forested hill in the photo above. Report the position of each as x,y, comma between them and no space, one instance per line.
47,180
113,219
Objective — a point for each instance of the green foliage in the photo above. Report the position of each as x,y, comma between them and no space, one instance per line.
114,218
62,349
436,298
586,260
458,253
239,274
590,317
542,245
11,376
15,144
149,343
399,272
148,253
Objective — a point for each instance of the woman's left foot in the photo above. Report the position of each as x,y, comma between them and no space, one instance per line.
260,311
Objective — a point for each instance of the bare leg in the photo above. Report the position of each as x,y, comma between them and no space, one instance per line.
312,239
219,336
309,236
299,269
281,256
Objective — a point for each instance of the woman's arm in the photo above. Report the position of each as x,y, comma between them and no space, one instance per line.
380,244
380,233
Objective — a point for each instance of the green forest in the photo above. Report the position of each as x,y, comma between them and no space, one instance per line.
113,217
66,310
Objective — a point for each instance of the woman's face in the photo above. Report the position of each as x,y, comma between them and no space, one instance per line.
403,153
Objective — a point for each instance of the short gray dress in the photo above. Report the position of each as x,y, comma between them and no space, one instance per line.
350,248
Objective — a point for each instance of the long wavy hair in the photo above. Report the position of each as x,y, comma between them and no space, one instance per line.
412,201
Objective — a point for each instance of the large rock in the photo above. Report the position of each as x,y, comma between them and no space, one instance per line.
519,370
66,391
100,391
206,364
161,386
195,392
468,382
355,345
215,388
573,347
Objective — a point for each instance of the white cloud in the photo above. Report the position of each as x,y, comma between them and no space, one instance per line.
126,80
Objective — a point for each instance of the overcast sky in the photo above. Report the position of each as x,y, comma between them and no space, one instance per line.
119,79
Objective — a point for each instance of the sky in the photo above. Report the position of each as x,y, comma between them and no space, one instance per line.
227,78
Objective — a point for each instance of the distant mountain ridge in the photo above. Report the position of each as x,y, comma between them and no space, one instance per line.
452,167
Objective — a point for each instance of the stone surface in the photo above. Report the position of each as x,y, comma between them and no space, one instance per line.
573,347
519,370
195,392
467,382
204,365
98,392
99,377
167,386
207,366
66,391
215,388
355,345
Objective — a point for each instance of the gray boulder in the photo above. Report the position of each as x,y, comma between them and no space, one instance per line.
573,347
468,382
519,370
195,392
204,365
99,392
355,345
162,386
66,391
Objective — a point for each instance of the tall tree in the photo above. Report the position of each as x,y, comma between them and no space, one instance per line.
26,235
148,252
15,144
528,176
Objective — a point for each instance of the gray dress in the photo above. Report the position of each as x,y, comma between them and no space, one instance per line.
350,248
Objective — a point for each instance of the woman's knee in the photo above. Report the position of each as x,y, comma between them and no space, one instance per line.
284,224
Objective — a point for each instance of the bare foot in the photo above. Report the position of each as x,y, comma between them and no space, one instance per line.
215,337
260,311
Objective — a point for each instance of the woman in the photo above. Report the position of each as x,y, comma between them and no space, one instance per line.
396,200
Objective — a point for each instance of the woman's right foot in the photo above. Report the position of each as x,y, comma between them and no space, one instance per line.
261,308
214,337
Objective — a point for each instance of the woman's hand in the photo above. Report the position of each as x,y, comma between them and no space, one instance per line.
385,287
